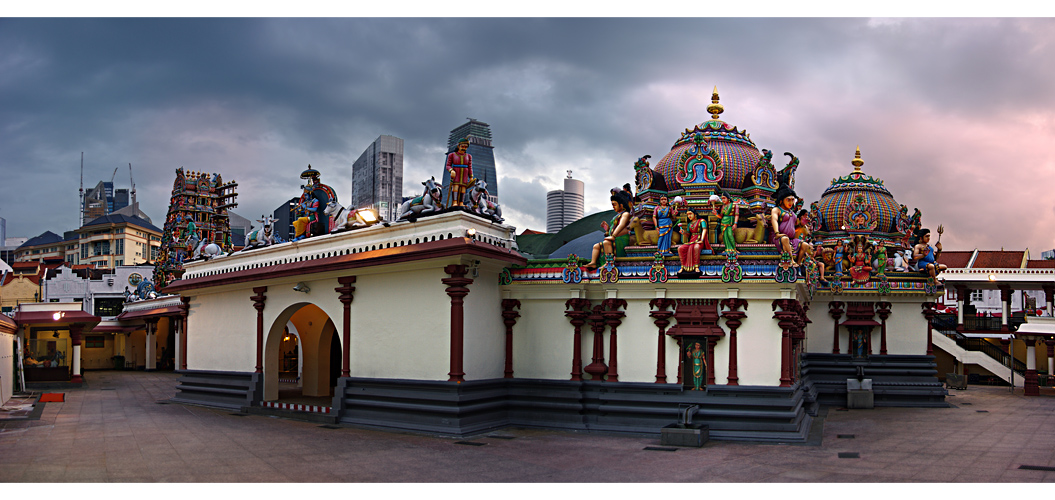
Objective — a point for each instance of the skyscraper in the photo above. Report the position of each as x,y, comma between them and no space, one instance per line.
479,134
103,200
377,177
564,206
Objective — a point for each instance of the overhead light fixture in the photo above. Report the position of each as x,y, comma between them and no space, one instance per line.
471,232
367,216
58,315
992,277
301,287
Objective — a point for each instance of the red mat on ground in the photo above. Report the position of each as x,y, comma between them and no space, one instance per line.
52,397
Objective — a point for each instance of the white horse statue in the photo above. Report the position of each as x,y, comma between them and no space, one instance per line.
426,203
477,202
340,217
263,237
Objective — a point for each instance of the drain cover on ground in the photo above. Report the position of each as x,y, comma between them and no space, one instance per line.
982,411
966,403
846,436
240,414
330,426
841,409
659,448
106,388
848,454
470,443
502,437
1037,467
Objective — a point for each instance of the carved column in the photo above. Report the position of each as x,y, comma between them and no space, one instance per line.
1031,386
662,320
184,308
613,317
836,310
929,312
786,319
1005,308
456,290
346,289
509,317
597,368
578,318
75,338
258,303
732,319
883,309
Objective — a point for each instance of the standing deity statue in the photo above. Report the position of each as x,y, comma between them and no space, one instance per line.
698,358
663,219
460,166
729,217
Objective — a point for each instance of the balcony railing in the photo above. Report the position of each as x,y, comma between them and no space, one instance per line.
978,323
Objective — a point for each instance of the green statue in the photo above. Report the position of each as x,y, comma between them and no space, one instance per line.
698,357
729,217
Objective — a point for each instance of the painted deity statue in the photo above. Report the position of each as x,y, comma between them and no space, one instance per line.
695,240
310,222
728,216
663,218
616,233
881,260
783,221
698,358
860,267
926,257
460,166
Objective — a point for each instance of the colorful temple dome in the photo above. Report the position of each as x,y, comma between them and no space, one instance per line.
837,205
737,151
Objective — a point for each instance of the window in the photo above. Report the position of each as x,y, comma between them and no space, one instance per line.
94,341
976,296
109,306
84,251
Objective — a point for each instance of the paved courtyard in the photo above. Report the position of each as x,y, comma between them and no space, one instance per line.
115,430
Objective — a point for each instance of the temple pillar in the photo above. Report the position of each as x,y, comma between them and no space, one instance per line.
1005,309
883,309
184,308
75,339
258,304
613,318
509,318
152,344
1031,386
786,320
662,320
962,294
732,319
836,310
929,312
345,290
456,290
597,367
578,318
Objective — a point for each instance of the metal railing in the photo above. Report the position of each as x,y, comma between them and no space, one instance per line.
987,347
978,323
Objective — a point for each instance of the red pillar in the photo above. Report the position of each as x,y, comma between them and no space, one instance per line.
509,317
613,318
929,312
883,309
662,320
597,368
456,290
578,318
786,320
732,320
346,289
836,310
258,303
184,308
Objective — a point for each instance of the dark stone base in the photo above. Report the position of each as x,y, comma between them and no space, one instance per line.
232,390
897,380
693,435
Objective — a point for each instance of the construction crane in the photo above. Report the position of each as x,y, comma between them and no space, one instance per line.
113,176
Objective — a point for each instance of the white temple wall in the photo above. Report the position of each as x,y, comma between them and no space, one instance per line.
222,332
637,344
758,345
819,332
484,332
906,329
543,339
8,362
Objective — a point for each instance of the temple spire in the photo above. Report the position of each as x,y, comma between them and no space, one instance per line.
857,162
715,109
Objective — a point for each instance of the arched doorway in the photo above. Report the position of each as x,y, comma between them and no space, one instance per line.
316,339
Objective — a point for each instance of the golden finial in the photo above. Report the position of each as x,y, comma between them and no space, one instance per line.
715,109
857,161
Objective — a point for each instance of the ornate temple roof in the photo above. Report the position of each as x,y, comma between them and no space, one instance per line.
737,151
843,192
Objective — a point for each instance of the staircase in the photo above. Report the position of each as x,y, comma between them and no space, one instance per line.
979,357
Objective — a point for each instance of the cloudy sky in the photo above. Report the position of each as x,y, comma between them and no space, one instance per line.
956,115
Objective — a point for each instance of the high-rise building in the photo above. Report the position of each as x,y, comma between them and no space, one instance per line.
564,206
479,135
377,177
284,215
103,200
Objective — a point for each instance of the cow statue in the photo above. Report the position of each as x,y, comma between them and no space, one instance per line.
263,237
476,201
426,203
340,217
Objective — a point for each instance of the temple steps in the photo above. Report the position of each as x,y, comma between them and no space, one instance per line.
897,380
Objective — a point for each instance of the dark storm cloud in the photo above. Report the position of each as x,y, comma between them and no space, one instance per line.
259,99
